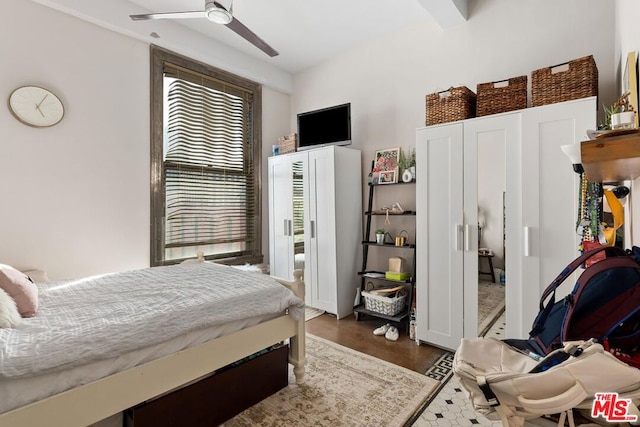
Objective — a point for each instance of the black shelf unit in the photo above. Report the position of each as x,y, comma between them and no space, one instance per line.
360,309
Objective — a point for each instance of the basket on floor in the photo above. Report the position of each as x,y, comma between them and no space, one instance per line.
387,305
457,103
501,96
563,82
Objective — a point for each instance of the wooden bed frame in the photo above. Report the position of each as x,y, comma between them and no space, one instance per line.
95,401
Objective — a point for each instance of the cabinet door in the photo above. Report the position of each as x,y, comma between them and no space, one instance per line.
280,217
440,238
491,149
288,202
549,201
321,228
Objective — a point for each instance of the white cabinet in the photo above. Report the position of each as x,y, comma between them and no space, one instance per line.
540,205
315,216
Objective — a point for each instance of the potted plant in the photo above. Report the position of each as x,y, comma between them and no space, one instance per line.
620,115
380,232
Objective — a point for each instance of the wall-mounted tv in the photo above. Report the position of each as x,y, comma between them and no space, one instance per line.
327,126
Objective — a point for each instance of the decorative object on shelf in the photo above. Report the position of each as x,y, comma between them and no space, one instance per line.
455,103
36,106
501,96
388,177
574,79
630,82
620,116
396,264
380,235
386,165
402,240
407,163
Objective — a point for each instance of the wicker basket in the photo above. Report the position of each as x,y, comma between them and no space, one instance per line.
498,97
288,144
559,83
389,306
457,103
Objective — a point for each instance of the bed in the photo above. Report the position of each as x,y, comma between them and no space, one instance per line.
89,379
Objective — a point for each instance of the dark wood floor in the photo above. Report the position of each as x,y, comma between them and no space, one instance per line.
358,335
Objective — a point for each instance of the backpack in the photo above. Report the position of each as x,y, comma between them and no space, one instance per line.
604,304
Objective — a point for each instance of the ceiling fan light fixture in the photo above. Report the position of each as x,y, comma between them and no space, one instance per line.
219,15
219,11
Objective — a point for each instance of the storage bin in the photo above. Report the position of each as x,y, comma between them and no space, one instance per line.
501,96
288,144
457,103
389,306
395,275
563,82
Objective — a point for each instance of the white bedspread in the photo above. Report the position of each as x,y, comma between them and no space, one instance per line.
105,316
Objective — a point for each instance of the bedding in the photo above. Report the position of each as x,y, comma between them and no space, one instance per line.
133,317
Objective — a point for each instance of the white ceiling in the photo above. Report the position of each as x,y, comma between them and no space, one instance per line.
304,32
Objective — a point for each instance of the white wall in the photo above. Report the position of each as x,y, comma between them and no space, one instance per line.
628,40
386,81
75,197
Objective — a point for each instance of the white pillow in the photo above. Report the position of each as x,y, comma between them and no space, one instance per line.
9,315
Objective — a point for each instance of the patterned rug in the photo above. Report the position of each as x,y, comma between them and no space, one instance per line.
343,387
310,313
490,304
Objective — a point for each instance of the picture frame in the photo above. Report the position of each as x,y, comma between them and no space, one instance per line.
388,177
387,159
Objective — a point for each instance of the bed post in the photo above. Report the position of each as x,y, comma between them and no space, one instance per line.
297,355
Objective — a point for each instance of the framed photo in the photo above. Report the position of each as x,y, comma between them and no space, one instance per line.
388,177
387,159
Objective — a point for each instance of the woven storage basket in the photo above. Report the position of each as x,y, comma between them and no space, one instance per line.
498,97
457,103
383,304
288,144
556,84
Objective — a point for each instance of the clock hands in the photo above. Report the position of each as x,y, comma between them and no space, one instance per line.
40,103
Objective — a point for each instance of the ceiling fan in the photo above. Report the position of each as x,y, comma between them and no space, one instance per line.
215,11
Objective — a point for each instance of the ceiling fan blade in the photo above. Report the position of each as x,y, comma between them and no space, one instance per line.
240,29
169,15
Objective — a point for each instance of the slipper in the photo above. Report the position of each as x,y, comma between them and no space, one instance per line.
392,334
382,329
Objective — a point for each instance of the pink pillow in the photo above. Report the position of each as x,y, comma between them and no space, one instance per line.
19,287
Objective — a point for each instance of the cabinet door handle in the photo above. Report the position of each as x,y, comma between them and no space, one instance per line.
290,228
526,248
467,237
458,236
313,229
286,228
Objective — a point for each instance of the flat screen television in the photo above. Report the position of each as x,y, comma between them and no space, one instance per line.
327,126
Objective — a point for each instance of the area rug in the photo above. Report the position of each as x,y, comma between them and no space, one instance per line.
343,387
490,304
310,313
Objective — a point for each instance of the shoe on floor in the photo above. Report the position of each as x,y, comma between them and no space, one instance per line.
381,330
392,334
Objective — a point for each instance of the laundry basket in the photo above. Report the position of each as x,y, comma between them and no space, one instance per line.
387,305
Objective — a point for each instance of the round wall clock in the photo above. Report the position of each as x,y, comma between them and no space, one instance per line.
36,106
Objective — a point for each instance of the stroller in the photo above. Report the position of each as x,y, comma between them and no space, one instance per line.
506,384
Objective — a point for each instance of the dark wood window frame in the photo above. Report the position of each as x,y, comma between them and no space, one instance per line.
159,57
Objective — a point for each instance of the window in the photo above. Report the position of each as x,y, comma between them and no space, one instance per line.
205,169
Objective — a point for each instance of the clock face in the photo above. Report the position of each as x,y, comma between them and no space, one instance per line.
35,106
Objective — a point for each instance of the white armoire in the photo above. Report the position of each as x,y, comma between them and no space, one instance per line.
539,211
315,217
